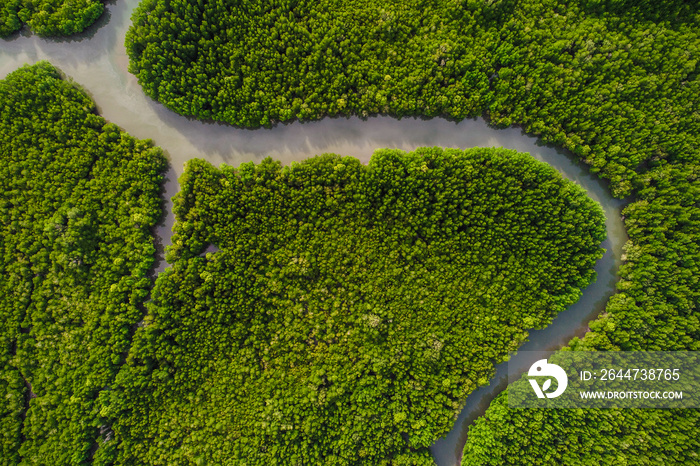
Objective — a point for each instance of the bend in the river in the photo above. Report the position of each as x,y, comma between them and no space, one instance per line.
99,64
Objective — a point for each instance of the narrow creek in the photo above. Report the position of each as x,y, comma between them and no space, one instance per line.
97,61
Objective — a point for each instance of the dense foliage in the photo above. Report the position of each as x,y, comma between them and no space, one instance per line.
49,17
77,200
349,309
257,62
651,118
614,81
655,310
577,437
617,89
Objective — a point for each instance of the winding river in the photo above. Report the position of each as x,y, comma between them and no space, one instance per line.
97,61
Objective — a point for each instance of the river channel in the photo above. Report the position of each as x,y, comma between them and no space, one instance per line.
97,61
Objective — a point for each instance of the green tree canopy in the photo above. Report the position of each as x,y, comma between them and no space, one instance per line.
77,200
49,17
349,309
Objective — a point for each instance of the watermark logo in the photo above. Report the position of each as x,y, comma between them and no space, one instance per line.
542,368
604,379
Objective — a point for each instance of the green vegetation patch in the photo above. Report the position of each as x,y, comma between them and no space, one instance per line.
582,437
639,60
49,17
349,309
77,200
655,310
258,62
614,81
